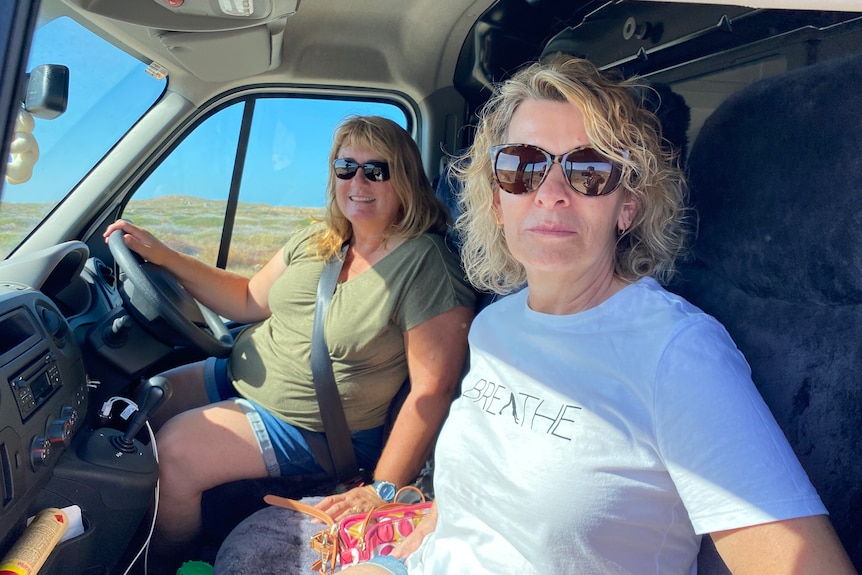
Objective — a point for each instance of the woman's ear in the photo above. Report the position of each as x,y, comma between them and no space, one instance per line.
628,212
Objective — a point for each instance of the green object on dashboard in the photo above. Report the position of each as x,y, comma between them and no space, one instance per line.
195,568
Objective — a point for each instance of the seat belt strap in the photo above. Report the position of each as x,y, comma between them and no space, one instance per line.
335,427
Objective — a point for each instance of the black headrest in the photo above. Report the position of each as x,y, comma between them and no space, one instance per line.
448,191
779,164
673,114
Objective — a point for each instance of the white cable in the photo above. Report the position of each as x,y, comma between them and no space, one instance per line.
105,412
145,548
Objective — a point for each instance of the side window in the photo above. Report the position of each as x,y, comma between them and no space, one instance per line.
183,201
247,176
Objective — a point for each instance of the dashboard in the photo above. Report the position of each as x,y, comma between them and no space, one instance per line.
43,396
59,340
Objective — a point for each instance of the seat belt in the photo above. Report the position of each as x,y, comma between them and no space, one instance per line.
342,457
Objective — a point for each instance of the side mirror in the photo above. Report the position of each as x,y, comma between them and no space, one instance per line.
47,91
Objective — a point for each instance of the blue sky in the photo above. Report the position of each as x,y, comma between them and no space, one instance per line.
109,91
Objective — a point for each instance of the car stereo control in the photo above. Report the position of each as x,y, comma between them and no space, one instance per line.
40,451
60,430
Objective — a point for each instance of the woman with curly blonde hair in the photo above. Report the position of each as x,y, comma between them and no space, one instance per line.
622,130
605,424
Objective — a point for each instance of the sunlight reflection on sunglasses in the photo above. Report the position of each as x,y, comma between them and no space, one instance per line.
521,169
374,171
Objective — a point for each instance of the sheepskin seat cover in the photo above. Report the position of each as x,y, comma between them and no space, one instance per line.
776,178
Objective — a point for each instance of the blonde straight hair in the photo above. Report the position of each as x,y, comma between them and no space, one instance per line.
420,211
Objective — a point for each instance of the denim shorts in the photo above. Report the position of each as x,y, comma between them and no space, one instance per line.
391,564
282,446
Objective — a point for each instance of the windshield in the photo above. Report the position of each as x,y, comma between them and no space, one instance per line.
108,91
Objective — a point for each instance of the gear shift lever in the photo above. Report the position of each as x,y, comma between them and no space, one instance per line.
154,392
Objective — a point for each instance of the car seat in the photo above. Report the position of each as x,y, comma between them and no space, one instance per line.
775,176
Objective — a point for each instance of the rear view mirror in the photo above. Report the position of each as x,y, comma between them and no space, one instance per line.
47,91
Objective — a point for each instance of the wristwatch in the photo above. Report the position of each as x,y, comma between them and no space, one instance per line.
385,490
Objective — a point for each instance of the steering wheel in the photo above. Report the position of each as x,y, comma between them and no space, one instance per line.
154,294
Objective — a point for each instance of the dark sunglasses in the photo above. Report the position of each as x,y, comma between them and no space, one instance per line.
374,171
521,169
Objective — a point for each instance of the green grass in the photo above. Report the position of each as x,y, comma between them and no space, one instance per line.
16,221
187,224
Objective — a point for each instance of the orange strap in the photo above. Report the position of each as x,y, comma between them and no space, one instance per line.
299,506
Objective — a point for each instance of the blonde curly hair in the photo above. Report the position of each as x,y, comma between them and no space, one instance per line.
621,128
420,210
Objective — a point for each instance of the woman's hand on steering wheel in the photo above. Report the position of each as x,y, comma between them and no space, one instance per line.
140,241
154,293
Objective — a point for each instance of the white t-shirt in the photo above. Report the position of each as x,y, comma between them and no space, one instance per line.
604,442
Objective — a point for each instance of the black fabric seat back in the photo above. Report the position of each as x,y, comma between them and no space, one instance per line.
776,177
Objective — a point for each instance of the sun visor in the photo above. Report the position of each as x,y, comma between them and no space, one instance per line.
223,56
191,15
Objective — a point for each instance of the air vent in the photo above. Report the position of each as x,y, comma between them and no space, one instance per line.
54,324
107,274
6,474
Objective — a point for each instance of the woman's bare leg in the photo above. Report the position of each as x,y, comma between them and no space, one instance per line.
199,449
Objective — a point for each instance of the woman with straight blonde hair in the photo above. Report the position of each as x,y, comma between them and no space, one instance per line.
401,308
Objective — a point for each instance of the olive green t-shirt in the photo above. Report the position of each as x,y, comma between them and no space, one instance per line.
364,330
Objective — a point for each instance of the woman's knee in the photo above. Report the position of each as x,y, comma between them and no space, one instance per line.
367,569
176,454
380,565
184,455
